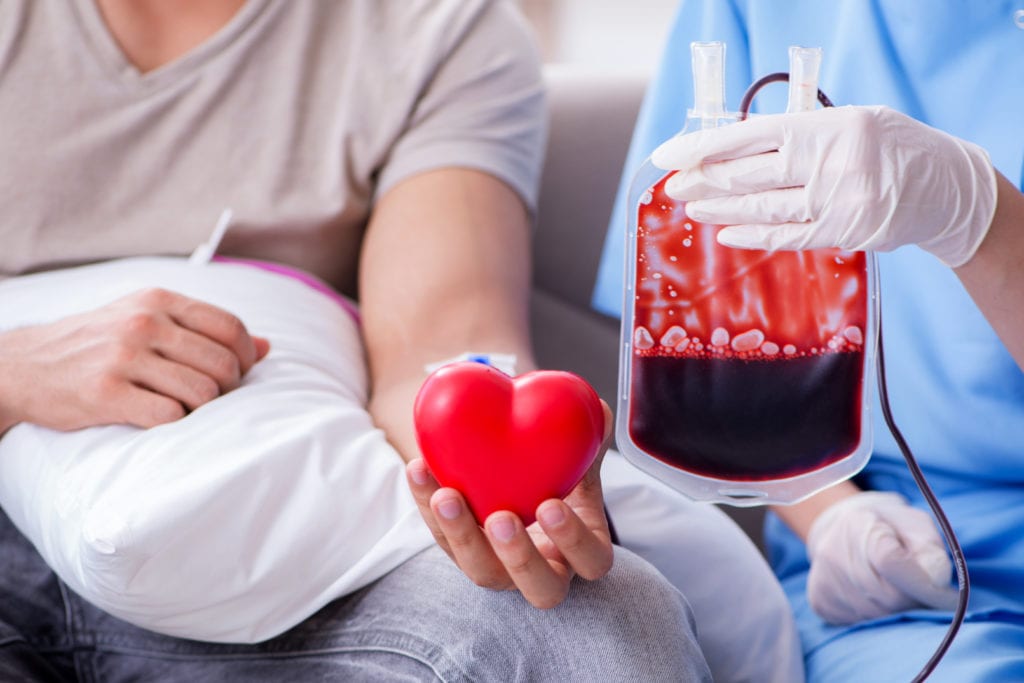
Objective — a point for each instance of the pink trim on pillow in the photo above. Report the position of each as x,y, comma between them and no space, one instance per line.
302,276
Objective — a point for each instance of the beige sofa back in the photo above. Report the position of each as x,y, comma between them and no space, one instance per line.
591,122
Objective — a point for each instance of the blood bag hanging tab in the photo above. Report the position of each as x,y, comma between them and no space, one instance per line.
708,63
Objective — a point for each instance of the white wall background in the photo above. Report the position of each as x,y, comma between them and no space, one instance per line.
612,36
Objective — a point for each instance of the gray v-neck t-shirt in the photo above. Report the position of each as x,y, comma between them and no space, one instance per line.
297,114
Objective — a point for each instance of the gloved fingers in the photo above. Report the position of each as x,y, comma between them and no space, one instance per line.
754,136
915,582
745,175
873,554
849,592
829,599
771,237
923,575
773,206
917,529
881,601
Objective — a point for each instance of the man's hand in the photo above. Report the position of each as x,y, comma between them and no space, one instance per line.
850,177
871,555
144,360
569,537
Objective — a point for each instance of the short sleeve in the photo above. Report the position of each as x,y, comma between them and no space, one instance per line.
483,107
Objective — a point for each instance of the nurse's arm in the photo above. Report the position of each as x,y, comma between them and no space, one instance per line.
994,277
800,516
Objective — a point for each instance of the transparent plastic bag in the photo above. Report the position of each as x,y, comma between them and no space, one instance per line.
746,375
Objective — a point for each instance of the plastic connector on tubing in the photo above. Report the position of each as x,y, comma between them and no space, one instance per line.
804,67
708,60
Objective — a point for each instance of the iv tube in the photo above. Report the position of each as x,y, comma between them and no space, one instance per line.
959,560
804,64
708,61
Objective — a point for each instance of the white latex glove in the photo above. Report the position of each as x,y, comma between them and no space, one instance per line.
856,178
871,555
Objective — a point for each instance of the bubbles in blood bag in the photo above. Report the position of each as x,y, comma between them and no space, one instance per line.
642,339
794,301
758,366
750,340
673,337
853,334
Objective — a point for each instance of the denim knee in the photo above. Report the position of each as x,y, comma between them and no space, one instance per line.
426,621
630,625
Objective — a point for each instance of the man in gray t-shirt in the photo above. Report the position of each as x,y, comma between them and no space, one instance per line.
392,149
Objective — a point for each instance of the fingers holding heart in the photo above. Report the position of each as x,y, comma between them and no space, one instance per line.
501,451
466,542
543,582
423,485
542,559
578,526
587,498
454,528
585,545
539,561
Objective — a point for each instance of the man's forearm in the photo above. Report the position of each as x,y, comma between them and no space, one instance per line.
391,410
445,270
8,402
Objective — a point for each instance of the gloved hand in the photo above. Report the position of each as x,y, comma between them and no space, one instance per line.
871,555
857,178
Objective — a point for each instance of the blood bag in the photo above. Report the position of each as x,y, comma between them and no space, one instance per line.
745,375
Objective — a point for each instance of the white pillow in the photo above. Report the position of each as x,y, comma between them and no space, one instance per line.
245,517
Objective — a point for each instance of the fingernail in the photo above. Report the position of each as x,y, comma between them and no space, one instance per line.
677,186
728,237
450,508
693,211
666,155
659,157
418,473
551,514
502,529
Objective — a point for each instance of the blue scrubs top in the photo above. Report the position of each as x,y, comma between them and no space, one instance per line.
955,392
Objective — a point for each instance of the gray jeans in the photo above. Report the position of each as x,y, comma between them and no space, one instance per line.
425,621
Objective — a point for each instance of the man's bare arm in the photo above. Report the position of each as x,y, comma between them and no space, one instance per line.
445,269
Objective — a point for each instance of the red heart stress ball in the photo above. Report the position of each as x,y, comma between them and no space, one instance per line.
504,443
